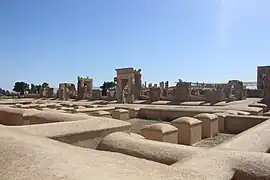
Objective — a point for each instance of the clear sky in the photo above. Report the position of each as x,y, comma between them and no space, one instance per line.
195,40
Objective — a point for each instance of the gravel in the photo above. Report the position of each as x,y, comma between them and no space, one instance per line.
214,141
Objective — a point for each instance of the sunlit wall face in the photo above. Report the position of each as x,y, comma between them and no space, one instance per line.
260,71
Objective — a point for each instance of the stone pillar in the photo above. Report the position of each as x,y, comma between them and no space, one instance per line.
221,121
161,84
161,132
209,124
182,92
155,94
189,130
131,90
167,85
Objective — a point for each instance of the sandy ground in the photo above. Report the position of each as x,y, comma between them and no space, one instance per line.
137,124
214,141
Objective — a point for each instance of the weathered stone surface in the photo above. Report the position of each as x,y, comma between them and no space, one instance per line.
121,114
102,114
209,124
189,130
221,121
161,132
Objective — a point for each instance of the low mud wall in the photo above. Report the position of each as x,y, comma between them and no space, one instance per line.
84,133
239,123
14,116
255,139
52,116
170,114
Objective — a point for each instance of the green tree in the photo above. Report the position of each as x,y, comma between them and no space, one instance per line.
33,89
45,85
21,87
38,88
7,93
106,86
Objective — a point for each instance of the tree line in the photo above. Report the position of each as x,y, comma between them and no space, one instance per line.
106,86
23,87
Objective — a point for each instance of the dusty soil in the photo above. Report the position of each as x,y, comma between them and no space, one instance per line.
214,141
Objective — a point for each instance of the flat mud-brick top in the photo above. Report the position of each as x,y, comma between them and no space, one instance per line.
31,112
54,116
267,114
186,120
67,104
58,105
86,110
160,127
91,125
79,107
234,112
54,110
124,71
42,106
67,108
25,106
206,116
251,110
259,105
102,113
50,105
18,105
33,105
221,114
121,110
6,109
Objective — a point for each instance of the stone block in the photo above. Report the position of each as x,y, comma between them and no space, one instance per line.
189,130
25,106
221,121
102,114
239,123
33,105
209,124
235,112
134,112
41,106
136,135
58,106
18,105
161,132
259,105
67,109
79,107
121,114
267,114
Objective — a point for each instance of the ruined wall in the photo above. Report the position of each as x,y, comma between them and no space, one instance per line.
260,71
254,93
84,88
240,123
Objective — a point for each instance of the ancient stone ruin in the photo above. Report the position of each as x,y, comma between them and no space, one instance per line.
84,88
66,91
54,139
190,131
128,85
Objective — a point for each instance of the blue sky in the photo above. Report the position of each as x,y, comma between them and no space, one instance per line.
195,40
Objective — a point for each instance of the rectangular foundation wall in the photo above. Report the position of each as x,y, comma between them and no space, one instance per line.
239,123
